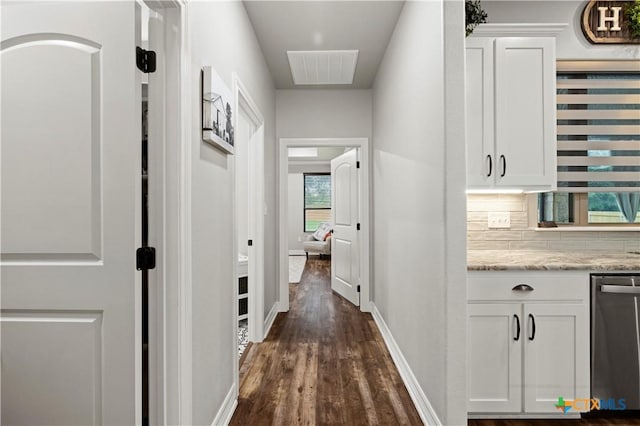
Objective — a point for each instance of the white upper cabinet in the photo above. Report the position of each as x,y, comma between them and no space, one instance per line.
511,107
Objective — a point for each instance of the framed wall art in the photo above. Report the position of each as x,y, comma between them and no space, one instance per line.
217,111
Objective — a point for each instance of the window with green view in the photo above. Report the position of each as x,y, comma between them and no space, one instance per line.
317,200
598,147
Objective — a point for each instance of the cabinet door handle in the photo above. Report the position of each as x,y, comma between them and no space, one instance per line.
533,327
517,337
522,287
504,165
490,165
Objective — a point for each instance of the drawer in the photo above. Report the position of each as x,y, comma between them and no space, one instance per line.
547,286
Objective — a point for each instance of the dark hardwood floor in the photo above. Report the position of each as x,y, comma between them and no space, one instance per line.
323,363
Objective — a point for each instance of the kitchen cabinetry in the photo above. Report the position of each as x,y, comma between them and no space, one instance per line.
528,341
511,107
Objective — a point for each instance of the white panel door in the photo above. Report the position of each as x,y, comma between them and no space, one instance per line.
525,108
481,161
494,353
70,213
556,357
345,255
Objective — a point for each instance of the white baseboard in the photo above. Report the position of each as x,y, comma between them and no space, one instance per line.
281,306
423,406
297,253
268,322
225,413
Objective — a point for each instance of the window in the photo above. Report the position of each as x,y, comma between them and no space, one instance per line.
317,200
598,145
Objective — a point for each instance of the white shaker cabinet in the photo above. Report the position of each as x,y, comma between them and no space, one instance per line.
511,107
556,355
527,342
494,355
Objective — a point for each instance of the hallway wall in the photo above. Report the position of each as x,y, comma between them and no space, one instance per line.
330,113
414,249
221,35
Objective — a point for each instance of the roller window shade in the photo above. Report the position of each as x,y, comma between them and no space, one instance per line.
598,131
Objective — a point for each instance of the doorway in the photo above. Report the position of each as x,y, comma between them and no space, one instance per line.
165,298
291,240
248,225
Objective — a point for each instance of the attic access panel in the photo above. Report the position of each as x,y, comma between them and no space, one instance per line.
317,67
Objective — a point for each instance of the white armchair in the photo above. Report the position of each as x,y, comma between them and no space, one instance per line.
317,243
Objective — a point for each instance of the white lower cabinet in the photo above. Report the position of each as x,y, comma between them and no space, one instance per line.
494,358
556,355
526,348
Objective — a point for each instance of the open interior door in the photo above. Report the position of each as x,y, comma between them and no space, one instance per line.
345,248
70,192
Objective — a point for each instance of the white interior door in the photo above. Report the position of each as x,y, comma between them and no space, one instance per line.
345,254
70,213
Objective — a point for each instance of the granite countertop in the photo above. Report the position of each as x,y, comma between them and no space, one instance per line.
514,260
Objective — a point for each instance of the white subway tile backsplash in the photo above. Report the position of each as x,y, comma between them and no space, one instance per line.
627,236
586,245
520,237
632,245
475,235
477,226
477,216
528,245
540,235
487,245
503,235
578,235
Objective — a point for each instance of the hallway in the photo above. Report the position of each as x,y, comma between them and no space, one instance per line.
324,362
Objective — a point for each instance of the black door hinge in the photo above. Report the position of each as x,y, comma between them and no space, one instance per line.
358,226
145,258
358,289
145,60
250,243
357,164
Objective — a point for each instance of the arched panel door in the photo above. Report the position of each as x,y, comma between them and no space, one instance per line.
70,172
345,252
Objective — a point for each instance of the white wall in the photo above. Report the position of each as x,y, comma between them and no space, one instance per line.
221,35
308,113
571,43
419,251
295,215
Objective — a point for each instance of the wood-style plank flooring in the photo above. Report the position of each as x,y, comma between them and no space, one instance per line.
323,363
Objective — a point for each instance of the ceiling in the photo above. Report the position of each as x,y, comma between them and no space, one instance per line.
325,155
324,25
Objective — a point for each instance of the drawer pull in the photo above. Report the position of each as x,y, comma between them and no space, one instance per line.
522,287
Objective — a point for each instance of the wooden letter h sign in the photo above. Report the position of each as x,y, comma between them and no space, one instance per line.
605,22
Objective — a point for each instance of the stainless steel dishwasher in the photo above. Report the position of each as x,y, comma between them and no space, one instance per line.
615,340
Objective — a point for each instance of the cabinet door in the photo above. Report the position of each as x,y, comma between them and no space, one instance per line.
556,355
481,162
525,103
494,354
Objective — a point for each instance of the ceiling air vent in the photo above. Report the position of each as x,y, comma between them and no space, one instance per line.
323,66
